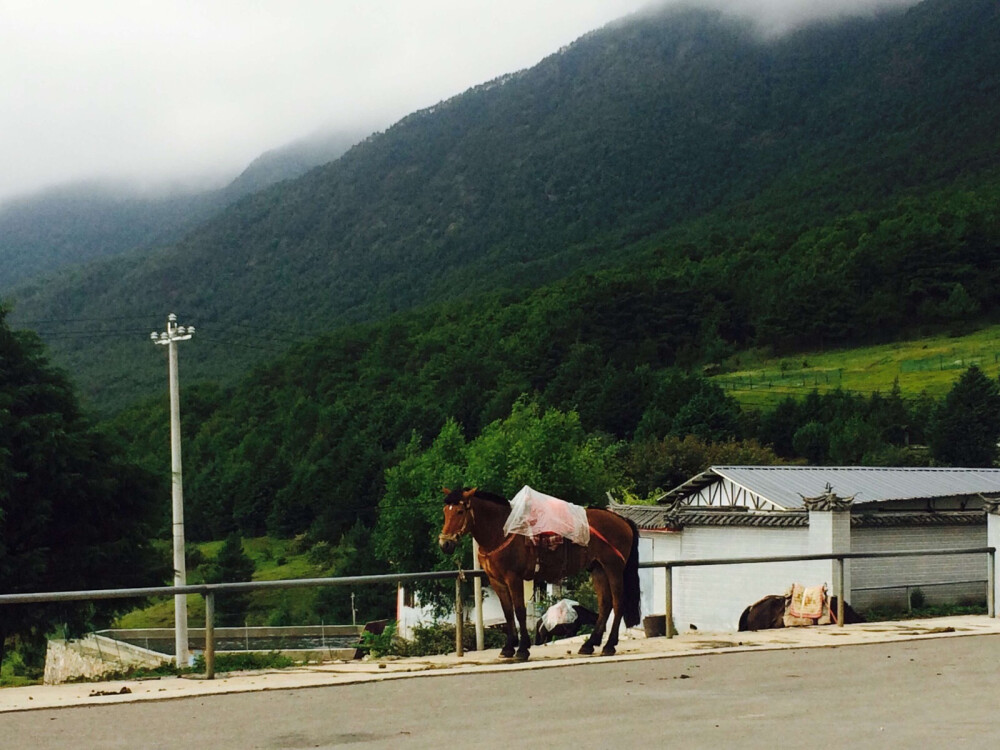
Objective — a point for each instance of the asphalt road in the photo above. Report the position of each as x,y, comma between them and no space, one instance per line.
939,693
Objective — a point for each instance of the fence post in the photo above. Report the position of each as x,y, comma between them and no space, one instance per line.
459,615
668,608
991,573
991,506
840,592
209,635
477,588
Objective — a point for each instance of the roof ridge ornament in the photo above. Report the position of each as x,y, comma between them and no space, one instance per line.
828,501
673,514
991,505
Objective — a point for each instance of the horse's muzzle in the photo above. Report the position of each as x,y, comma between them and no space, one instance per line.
447,542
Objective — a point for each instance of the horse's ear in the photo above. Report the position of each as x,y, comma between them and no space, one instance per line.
446,491
469,493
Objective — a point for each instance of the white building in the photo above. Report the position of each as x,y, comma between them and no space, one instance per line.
760,511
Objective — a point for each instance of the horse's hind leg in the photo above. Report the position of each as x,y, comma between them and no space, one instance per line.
516,589
618,604
603,590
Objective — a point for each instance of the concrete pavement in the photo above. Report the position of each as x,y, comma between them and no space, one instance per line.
633,646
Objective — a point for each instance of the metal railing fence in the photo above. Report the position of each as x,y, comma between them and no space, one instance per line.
210,590
840,557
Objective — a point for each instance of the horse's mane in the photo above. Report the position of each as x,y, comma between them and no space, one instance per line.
455,496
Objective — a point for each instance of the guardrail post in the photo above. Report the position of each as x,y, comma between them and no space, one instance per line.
459,615
991,506
668,607
209,635
991,578
477,589
839,586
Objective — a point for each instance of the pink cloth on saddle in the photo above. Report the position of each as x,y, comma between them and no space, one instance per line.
533,513
807,605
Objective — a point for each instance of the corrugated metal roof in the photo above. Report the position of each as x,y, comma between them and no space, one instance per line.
786,485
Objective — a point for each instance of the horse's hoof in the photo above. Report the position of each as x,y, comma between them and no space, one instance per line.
507,654
586,649
521,656
608,651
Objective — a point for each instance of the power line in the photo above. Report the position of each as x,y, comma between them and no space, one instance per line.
86,320
242,344
259,332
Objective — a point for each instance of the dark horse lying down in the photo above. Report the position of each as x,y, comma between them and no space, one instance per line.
612,557
769,613
584,616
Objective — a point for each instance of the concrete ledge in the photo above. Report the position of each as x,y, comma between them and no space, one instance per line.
94,656
560,654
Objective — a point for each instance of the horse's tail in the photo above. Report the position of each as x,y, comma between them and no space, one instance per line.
630,580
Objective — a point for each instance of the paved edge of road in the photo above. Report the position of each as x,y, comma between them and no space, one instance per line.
39,697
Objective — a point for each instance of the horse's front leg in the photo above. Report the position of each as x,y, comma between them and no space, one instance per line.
516,588
603,590
502,591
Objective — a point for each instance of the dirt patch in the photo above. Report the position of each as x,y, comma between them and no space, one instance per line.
929,631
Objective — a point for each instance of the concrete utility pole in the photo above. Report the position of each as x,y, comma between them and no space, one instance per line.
169,338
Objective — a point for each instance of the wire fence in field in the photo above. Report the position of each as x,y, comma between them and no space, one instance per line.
786,378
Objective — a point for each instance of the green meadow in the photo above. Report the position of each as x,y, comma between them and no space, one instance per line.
927,365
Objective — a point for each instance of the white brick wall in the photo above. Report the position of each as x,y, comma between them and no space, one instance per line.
712,598
879,574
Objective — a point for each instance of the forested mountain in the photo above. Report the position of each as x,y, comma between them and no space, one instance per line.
74,224
293,160
697,189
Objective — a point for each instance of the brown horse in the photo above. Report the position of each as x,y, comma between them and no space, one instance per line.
769,612
612,557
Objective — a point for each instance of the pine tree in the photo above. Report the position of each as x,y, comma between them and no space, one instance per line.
73,513
966,425
232,565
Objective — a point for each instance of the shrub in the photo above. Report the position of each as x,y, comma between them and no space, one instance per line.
320,554
427,640
380,644
245,661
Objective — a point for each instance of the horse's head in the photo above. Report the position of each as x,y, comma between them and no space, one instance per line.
457,518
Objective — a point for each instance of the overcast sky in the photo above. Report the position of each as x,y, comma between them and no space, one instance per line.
172,89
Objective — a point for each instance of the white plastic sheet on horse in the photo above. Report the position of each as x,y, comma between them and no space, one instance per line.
533,513
563,612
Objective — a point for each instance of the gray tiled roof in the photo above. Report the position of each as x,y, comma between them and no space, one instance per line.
947,518
786,485
661,517
665,517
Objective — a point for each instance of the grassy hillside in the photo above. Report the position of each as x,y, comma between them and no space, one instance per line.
926,365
